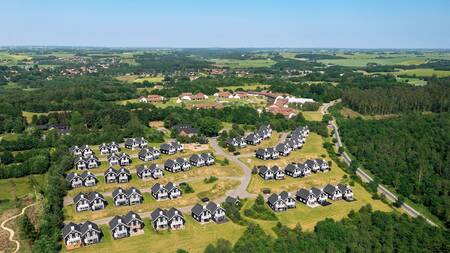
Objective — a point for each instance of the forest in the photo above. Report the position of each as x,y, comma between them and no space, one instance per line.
410,153
363,231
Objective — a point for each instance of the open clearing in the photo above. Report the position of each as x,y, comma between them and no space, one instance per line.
194,238
245,87
18,187
361,59
137,79
423,72
312,115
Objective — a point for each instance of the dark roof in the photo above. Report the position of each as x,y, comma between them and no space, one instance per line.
273,198
89,225
275,169
303,193
133,190
170,186
86,174
157,213
195,158
157,187
141,169
343,187
154,167
206,156
123,170
263,169
110,170
320,161
316,191
291,167
72,176
197,209
165,146
115,221
173,212
118,191
212,207
310,163
127,218
67,229
93,195
280,147
329,189
169,163
79,196
251,137
261,151
284,195
181,160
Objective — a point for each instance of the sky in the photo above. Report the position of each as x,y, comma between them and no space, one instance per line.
227,23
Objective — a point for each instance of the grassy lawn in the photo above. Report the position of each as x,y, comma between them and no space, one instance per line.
137,79
308,217
194,238
212,190
234,63
413,81
18,187
312,115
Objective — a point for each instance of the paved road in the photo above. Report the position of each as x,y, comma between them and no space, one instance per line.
366,178
241,190
10,231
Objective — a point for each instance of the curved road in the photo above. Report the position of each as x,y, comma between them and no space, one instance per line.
10,231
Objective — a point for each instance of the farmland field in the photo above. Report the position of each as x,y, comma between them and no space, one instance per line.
423,72
361,59
19,187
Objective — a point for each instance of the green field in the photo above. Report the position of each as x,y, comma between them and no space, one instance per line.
19,187
232,63
361,59
424,72
312,115
137,79
194,238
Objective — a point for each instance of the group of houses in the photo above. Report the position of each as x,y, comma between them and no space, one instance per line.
167,191
294,170
152,98
209,212
86,179
119,159
171,148
89,201
76,235
127,197
183,164
316,196
235,95
294,140
190,96
255,138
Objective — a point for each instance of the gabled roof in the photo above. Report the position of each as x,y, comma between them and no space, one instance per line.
130,216
170,186
170,163
79,197
110,170
206,156
115,221
197,209
166,146
303,193
88,225
141,169
264,169
181,160
158,213
343,187
195,158
261,151
212,207
231,200
94,195
329,189
273,198
70,228
275,169
310,162
173,212
71,176
118,191
154,167
187,128
320,161
157,187
133,190
123,170
86,174
285,195
316,191
292,167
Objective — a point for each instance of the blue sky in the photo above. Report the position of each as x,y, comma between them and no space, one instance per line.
227,23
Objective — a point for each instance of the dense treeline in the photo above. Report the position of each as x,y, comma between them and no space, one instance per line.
410,153
362,231
323,92
387,100
49,234
78,93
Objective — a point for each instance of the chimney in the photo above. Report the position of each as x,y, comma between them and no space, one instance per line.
279,197
134,215
176,212
90,226
96,195
119,220
160,212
